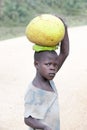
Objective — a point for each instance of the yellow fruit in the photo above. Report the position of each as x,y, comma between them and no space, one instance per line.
45,30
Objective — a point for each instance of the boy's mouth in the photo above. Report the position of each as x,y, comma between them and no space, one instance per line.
52,74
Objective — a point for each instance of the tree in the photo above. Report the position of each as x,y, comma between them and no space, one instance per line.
1,6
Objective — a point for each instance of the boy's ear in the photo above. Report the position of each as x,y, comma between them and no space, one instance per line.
36,63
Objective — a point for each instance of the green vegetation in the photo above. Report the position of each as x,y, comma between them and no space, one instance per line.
15,15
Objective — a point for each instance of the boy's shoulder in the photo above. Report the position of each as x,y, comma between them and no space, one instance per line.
32,87
32,90
53,85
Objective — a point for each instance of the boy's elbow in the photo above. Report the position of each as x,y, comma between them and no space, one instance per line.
66,54
26,121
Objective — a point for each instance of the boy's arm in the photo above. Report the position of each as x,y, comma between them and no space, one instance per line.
64,49
36,124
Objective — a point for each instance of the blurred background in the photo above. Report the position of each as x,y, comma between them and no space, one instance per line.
16,14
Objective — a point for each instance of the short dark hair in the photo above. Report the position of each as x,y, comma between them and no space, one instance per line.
38,55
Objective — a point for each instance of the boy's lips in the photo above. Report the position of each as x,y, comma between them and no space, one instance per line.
52,74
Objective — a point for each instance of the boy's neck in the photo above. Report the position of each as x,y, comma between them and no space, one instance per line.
39,81
42,83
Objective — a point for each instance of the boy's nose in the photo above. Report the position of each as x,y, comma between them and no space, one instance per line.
52,67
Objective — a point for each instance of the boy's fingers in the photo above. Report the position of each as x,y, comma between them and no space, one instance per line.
62,20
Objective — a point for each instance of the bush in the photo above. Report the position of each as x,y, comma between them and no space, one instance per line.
20,12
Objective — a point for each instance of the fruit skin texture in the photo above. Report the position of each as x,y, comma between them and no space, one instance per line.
45,30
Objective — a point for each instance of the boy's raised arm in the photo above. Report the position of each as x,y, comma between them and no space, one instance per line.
64,49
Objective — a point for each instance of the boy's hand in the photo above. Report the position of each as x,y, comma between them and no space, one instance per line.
62,21
47,128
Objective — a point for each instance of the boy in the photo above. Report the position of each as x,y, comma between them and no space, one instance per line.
41,99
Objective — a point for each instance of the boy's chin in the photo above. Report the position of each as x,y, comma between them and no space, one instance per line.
50,78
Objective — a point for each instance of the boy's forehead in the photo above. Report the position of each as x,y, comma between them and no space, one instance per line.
48,55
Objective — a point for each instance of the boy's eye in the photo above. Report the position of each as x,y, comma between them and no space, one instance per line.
48,64
56,66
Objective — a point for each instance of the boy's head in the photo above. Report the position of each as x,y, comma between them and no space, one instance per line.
46,63
43,54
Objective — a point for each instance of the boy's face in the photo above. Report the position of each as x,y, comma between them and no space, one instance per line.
47,66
